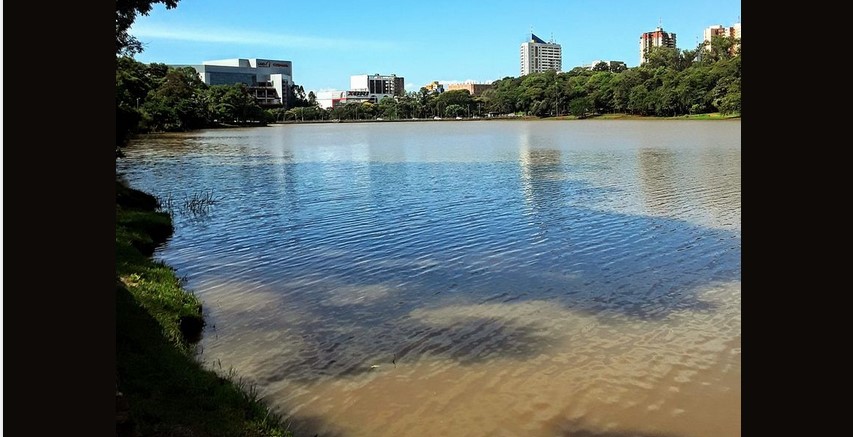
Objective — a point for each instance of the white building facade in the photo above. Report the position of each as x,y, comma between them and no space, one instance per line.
538,56
269,80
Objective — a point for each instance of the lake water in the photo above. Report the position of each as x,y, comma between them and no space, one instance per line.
482,278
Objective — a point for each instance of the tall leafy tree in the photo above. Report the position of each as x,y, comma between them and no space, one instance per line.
126,13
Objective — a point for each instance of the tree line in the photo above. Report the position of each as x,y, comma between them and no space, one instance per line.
672,82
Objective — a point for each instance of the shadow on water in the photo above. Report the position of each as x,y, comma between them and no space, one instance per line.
453,242
312,426
473,341
575,429
316,426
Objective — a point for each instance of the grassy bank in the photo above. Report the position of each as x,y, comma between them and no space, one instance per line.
163,390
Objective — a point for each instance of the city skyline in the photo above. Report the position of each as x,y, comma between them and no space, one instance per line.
450,42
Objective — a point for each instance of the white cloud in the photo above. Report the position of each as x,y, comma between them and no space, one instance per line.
231,36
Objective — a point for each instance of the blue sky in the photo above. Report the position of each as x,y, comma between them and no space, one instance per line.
449,41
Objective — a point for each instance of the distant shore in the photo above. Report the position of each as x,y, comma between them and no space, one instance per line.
621,116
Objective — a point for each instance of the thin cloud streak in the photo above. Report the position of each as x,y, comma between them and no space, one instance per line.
219,36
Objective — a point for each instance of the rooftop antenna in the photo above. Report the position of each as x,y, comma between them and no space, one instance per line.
660,22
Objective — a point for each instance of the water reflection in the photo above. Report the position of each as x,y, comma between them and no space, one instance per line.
403,280
657,171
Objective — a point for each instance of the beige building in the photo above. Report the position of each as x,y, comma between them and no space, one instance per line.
475,89
655,38
718,30
434,87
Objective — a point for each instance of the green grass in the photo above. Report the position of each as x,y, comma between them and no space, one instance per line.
168,392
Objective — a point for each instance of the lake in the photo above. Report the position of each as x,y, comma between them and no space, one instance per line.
466,278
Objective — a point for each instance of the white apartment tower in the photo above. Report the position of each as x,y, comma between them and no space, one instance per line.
655,38
538,56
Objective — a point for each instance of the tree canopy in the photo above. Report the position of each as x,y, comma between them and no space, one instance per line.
126,13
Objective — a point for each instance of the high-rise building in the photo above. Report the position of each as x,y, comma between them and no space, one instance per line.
378,84
655,38
538,56
718,30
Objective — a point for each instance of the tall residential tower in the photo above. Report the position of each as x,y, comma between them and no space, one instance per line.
656,38
728,32
538,56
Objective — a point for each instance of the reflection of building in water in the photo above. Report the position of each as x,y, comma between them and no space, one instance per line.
541,174
720,179
658,174
702,188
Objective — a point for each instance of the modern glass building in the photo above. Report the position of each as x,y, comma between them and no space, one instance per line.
268,79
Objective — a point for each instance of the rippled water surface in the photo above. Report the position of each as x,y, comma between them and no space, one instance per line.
488,278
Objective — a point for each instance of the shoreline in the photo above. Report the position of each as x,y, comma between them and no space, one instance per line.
618,116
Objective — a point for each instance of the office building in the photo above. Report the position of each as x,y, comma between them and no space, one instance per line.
538,56
378,84
269,80
655,38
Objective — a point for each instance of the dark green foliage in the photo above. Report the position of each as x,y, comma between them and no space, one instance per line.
672,83
233,104
126,13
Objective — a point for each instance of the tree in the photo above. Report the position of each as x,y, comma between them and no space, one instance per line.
580,107
454,110
297,96
178,102
126,13
388,108
720,48
233,104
